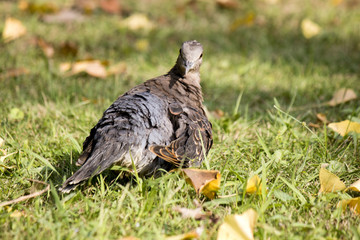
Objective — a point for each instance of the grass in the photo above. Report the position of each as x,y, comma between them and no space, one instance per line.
268,63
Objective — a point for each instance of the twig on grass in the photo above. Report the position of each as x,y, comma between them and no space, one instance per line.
23,198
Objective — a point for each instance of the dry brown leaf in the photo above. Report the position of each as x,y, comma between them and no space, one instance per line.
353,204
344,127
110,6
64,16
68,49
329,182
137,22
47,49
341,96
309,28
322,118
228,4
314,125
13,29
238,227
253,185
206,182
217,113
196,213
355,186
87,6
14,72
248,20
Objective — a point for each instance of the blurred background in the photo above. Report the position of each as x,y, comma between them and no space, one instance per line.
260,49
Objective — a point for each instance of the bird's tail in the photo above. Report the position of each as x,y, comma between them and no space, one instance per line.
97,163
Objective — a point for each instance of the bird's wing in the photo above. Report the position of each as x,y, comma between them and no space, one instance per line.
122,135
193,134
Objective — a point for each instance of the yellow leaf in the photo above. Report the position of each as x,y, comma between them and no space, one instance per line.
137,22
248,20
354,204
206,182
2,142
17,214
185,236
94,68
238,227
253,184
355,186
329,182
341,96
117,68
309,28
344,127
142,45
336,2
64,67
13,29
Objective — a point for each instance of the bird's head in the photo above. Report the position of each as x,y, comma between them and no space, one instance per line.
190,57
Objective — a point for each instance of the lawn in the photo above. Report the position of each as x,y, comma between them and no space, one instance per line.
263,84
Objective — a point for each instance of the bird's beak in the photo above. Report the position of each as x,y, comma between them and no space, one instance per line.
188,66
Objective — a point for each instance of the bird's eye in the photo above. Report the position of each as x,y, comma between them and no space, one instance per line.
201,56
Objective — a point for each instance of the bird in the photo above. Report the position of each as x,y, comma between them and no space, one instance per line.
158,125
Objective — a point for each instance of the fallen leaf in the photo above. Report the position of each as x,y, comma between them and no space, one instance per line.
87,6
314,125
341,96
353,204
41,8
14,72
16,114
129,238
248,20
13,29
64,16
355,186
136,22
196,213
110,6
64,67
344,127
68,49
94,68
217,113
117,68
253,184
322,118
309,28
47,49
238,227
336,2
228,4
142,45
329,182
206,182
195,234
272,1
17,214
